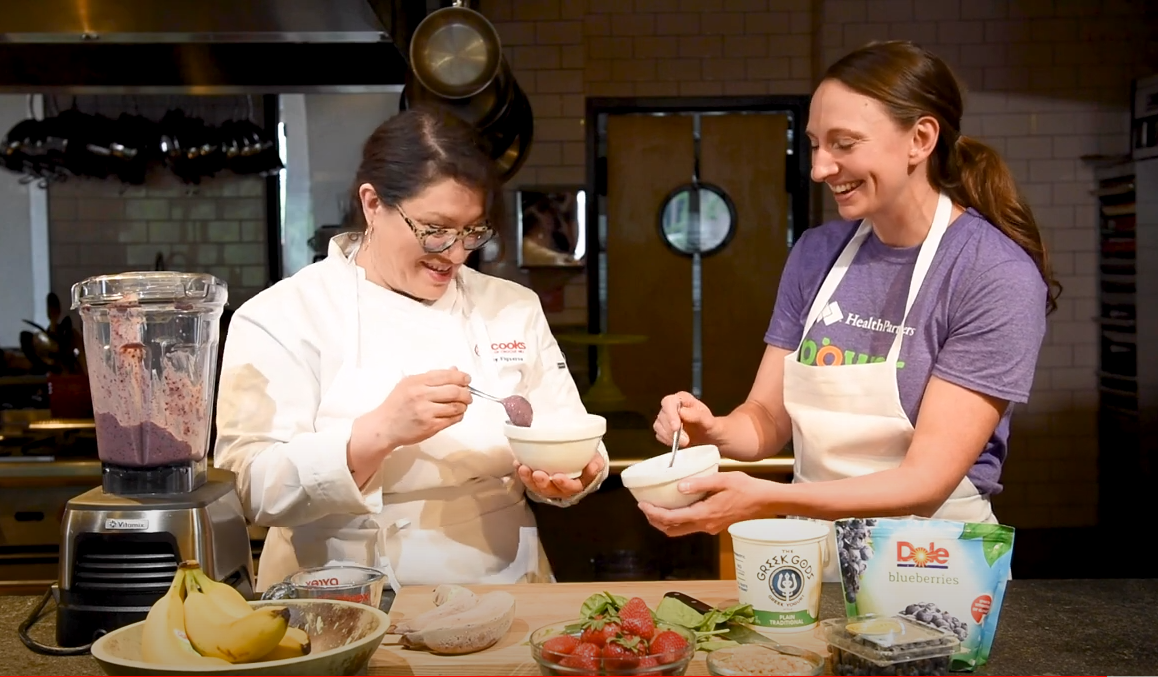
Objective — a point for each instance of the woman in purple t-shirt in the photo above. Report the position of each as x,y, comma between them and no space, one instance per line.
902,333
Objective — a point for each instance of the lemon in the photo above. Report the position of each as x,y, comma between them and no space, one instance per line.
876,626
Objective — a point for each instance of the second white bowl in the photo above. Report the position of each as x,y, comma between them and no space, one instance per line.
652,481
557,444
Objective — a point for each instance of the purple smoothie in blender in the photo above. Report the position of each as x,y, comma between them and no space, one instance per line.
152,343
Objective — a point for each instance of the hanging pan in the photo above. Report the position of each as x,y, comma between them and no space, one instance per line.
455,52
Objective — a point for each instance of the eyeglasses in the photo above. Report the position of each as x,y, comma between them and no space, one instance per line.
435,240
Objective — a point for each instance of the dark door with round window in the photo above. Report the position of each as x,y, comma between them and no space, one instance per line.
696,236
698,218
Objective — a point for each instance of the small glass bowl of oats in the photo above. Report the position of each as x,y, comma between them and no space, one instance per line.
762,659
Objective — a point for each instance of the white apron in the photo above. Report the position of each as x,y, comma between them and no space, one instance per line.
848,420
478,532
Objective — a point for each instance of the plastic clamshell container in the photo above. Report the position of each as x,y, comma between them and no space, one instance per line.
909,648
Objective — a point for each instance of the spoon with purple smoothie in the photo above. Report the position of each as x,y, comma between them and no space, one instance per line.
517,407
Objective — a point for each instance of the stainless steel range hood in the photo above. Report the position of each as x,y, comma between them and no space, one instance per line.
203,46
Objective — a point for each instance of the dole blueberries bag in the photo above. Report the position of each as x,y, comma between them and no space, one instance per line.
950,575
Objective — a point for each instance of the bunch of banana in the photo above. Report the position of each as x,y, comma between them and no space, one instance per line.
163,639
203,623
221,623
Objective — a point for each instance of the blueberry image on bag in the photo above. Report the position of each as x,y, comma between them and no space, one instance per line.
943,574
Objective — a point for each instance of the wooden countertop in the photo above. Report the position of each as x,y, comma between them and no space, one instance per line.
1047,627
535,606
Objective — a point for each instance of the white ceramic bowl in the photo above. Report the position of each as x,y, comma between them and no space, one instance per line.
562,444
651,481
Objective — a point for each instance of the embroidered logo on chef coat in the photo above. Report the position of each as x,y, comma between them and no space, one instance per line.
509,351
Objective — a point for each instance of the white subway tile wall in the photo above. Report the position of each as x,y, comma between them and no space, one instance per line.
1048,82
98,227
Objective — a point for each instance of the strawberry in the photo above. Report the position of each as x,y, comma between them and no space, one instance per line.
556,648
584,658
647,662
669,646
623,653
599,629
636,618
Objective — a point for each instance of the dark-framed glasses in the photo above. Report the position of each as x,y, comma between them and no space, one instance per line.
435,239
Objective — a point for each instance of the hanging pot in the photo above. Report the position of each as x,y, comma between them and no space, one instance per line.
455,52
481,111
510,147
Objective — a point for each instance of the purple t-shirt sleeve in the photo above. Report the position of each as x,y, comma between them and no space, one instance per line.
793,299
995,332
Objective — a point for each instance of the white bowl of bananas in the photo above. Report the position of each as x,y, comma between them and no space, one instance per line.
202,627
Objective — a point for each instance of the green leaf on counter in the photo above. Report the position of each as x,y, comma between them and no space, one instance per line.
602,603
706,626
675,612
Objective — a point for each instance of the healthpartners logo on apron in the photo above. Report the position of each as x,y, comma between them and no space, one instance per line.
832,352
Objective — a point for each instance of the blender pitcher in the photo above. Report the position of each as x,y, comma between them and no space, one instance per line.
151,339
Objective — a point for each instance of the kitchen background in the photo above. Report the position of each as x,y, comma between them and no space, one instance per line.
1050,86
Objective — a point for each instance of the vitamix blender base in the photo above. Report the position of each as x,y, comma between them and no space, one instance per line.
151,343
119,554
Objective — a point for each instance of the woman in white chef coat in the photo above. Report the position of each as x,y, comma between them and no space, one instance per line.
344,408
902,332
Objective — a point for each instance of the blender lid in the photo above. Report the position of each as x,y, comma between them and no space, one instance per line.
149,287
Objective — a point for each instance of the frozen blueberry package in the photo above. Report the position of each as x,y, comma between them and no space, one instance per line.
946,574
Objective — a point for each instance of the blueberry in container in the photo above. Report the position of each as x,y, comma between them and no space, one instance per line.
887,645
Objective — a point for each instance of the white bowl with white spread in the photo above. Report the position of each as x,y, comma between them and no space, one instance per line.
557,444
652,481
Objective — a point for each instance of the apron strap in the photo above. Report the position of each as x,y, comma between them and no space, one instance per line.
920,270
835,275
921,267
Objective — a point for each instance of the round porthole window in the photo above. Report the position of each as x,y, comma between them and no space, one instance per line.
697,219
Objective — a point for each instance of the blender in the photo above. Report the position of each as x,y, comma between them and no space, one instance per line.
151,339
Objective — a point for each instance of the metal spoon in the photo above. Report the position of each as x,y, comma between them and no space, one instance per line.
517,407
675,441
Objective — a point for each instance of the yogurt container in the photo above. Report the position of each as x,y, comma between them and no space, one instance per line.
779,569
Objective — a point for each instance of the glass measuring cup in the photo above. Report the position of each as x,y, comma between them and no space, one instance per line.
350,583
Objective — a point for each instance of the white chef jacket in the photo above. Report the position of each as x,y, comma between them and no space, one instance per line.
313,352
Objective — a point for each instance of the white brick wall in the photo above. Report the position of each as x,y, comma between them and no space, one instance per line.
98,227
1048,82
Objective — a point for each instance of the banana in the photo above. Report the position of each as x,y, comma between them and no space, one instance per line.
450,600
296,643
227,597
163,640
213,632
475,629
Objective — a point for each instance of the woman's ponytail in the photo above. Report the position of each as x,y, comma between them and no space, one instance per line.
977,177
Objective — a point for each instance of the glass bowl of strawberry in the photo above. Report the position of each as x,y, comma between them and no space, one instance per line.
602,647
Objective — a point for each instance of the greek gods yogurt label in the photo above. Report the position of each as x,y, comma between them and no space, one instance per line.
778,570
